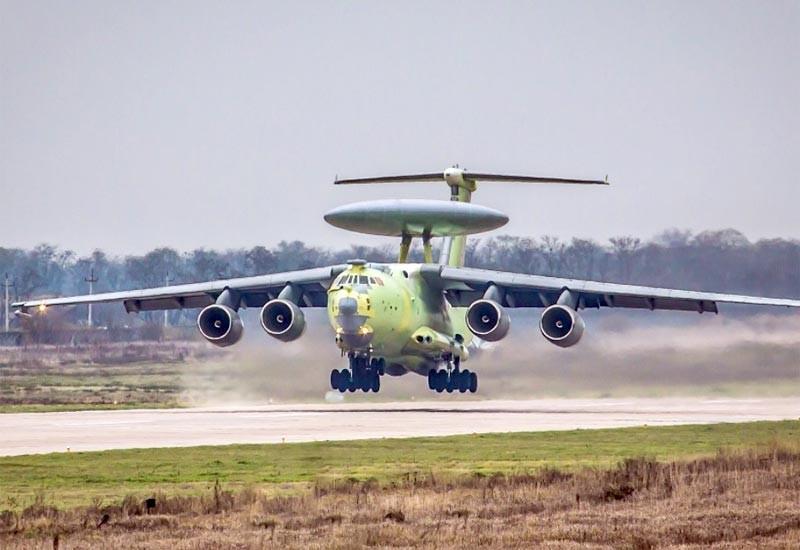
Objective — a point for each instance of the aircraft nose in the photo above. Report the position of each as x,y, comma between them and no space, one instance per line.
348,306
353,332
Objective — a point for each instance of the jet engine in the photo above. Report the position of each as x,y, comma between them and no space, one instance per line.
220,325
487,320
283,320
561,325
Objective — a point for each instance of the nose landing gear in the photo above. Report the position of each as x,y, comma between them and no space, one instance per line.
363,374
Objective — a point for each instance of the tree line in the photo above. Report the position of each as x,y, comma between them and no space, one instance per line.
723,260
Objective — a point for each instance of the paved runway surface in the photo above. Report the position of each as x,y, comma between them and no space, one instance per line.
97,430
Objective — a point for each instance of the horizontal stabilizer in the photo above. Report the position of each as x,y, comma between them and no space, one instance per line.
529,179
458,173
410,178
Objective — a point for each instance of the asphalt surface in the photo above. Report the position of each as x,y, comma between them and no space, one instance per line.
26,433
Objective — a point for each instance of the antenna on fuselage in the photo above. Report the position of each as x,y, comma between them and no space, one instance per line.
408,219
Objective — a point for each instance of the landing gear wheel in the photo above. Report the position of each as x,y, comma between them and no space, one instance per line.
473,382
432,379
451,381
335,378
463,381
441,381
366,382
376,383
344,380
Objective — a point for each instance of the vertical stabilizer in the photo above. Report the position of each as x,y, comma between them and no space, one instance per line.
461,190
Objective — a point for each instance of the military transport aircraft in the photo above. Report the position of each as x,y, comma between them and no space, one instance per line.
405,317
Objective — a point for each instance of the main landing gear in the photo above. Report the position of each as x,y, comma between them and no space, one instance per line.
452,379
364,374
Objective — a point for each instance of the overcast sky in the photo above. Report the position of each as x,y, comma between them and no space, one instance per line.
131,125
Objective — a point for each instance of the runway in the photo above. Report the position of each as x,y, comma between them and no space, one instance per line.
28,433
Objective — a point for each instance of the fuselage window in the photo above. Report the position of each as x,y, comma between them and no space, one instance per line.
363,280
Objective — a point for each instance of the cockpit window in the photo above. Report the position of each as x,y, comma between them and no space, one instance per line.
361,280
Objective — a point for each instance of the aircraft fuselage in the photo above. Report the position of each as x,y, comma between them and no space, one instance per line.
388,311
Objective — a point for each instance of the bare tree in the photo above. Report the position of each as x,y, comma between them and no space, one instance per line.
625,249
553,250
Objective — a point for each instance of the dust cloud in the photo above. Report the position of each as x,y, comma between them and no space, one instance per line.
621,354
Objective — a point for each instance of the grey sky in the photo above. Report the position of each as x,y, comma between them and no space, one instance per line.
131,125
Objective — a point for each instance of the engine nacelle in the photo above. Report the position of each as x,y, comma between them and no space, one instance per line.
487,320
283,320
561,325
220,325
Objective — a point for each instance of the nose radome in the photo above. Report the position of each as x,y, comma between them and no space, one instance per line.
348,306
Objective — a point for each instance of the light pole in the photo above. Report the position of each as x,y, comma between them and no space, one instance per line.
166,311
91,279
6,286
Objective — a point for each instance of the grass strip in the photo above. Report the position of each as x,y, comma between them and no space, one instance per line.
69,479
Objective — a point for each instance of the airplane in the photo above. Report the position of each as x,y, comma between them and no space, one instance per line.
394,318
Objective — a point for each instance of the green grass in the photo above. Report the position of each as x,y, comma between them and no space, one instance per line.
67,407
67,479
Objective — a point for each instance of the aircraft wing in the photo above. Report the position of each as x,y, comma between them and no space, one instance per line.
464,285
251,291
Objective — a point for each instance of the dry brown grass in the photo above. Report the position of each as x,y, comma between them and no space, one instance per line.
81,376
732,500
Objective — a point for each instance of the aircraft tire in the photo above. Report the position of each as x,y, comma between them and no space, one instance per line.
432,379
440,381
335,379
463,380
346,381
376,383
473,382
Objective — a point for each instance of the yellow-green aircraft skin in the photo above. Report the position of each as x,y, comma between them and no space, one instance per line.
398,317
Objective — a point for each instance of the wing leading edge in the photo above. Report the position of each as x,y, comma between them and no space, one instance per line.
251,292
464,285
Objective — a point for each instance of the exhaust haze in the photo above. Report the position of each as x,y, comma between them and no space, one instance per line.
618,356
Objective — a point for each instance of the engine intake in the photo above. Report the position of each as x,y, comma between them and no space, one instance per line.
220,325
561,325
283,320
487,320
